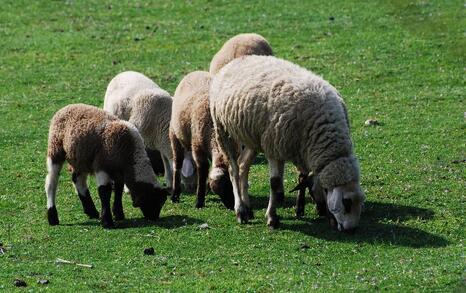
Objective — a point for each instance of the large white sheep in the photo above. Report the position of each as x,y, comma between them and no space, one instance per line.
134,97
237,46
95,142
191,129
290,114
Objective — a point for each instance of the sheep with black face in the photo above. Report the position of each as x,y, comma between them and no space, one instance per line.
95,142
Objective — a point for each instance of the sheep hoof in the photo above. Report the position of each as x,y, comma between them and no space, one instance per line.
52,216
299,213
242,216
273,222
107,222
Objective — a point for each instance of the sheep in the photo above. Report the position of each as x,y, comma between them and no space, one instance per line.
134,97
290,114
93,141
237,46
191,130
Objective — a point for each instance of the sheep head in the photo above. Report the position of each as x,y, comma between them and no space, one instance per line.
220,184
344,205
149,198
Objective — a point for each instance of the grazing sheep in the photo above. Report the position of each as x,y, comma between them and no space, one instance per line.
191,129
134,97
93,141
290,114
237,46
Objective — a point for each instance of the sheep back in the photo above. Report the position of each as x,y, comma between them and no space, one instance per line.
281,109
237,46
191,121
90,139
136,98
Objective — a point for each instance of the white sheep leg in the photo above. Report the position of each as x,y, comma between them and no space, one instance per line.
167,165
245,160
276,183
51,183
80,184
228,147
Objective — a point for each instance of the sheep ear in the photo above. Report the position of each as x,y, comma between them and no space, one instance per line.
187,168
335,200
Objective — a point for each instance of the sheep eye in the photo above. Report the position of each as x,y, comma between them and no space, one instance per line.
347,203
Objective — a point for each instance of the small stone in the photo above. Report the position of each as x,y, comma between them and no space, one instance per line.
304,246
371,122
19,283
149,251
204,226
43,282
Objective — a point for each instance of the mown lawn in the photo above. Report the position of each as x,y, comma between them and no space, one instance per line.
401,62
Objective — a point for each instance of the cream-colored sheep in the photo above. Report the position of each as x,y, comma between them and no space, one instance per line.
95,142
191,129
134,97
237,46
290,114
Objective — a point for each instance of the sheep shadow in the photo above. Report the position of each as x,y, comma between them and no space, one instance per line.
262,202
381,223
167,222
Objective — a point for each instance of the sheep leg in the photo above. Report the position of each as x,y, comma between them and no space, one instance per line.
245,160
80,184
51,182
178,156
275,185
104,187
167,165
117,208
202,165
228,147
280,190
301,198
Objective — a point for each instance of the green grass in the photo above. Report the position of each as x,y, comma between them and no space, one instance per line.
401,62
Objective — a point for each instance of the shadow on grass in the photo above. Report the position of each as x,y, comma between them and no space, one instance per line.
167,222
262,202
371,230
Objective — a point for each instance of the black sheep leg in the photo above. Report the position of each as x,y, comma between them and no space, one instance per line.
80,183
105,192
117,202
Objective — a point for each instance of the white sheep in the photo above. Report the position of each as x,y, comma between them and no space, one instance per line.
237,46
290,114
95,142
191,129
134,97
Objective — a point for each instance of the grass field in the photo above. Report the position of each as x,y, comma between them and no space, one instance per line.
401,62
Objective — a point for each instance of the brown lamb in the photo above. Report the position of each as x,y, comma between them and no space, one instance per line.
95,142
191,129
